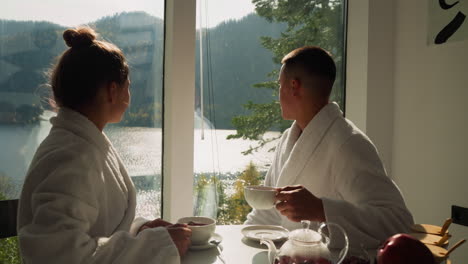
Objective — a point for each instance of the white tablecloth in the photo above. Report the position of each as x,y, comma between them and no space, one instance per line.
236,249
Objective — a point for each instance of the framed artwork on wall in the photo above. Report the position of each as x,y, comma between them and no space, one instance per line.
447,21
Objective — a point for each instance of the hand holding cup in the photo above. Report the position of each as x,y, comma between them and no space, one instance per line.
180,235
297,203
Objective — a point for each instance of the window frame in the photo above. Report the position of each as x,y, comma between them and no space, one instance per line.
179,104
179,100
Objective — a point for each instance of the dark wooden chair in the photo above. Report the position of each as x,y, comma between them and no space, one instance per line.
460,215
8,212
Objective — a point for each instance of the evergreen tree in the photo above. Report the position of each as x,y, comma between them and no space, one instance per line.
309,22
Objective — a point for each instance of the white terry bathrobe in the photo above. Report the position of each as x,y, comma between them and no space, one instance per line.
336,162
78,203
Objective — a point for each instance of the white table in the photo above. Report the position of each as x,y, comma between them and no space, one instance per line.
236,249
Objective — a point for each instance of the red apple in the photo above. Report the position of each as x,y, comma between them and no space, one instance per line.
404,249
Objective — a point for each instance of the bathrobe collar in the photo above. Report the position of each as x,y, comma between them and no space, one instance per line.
300,147
81,126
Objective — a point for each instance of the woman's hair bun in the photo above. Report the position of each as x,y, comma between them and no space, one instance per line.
79,37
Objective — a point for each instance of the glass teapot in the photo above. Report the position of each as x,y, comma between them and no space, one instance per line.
306,246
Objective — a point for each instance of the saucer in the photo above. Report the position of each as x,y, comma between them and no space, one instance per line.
208,244
257,232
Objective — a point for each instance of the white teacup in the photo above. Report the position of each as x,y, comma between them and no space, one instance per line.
260,197
200,233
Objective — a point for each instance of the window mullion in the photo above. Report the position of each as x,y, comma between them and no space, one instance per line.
179,100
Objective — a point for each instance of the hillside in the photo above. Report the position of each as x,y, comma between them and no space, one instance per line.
237,62
235,59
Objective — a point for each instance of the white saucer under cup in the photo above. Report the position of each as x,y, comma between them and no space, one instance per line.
257,232
208,244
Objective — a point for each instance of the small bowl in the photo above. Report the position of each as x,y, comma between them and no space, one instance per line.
200,233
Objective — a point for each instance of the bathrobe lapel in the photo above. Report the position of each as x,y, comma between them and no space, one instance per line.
300,147
84,128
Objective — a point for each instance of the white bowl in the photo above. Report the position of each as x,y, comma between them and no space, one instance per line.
260,197
200,234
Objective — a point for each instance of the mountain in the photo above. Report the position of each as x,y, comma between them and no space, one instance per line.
236,61
232,55
11,27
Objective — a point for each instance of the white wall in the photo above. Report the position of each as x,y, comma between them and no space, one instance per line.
369,84
410,98
430,144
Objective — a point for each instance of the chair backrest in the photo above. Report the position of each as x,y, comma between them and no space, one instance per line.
460,215
8,211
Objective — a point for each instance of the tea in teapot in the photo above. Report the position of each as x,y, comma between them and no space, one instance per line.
301,260
306,246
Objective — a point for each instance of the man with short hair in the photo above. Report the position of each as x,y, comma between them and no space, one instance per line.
325,167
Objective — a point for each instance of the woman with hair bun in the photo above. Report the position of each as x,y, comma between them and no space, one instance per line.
78,202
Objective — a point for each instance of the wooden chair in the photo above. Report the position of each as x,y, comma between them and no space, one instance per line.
8,212
460,215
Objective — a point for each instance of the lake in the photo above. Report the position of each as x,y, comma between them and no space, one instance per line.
139,147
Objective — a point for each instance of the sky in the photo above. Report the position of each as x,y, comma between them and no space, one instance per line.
76,12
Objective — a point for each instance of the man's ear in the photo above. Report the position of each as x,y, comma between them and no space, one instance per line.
296,86
112,92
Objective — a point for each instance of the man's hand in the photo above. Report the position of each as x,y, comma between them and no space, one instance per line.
297,203
153,224
180,234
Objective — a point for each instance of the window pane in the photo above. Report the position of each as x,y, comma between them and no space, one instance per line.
31,38
239,49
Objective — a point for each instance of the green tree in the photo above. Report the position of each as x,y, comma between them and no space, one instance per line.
205,188
202,183
309,22
9,250
222,214
8,190
237,207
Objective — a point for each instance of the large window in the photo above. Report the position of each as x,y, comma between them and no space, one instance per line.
31,39
237,116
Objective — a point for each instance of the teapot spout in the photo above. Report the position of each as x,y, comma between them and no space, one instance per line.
272,251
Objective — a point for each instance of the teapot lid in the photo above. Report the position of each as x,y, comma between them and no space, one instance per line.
305,234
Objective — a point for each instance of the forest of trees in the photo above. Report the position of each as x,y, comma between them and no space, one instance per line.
236,59
238,55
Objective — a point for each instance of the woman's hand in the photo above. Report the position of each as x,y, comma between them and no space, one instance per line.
153,224
180,234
